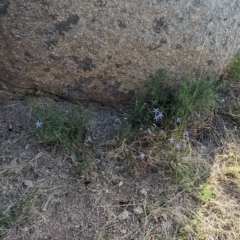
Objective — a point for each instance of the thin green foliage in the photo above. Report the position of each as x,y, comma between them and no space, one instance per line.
191,96
62,129
15,211
80,168
150,96
4,221
194,96
234,68
169,109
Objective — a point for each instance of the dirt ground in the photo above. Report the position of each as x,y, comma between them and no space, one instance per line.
115,198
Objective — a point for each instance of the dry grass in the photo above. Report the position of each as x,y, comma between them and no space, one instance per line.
212,159
165,197
174,186
219,217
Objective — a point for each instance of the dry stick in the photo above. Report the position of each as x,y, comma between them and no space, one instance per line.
108,225
12,105
51,189
9,207
145,206
16,140
38,156
45,220
198,60
120,205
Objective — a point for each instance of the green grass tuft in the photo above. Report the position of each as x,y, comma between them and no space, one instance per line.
169,110
205,192
190,97
4,221
193,96
234,68
61,129
80,168
151,95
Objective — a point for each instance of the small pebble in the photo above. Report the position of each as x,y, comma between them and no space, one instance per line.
63,176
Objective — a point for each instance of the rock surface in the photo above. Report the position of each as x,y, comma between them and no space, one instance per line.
104,50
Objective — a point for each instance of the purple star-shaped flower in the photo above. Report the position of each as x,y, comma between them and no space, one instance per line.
171,140
159,116
38,124
155,111
89,139
186,133
178,146
142,156
178,120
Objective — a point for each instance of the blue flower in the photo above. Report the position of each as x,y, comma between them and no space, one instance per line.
159,116
178,120
149,130
171,140
38,124
178,146
186,134
155,111
89,139
142,156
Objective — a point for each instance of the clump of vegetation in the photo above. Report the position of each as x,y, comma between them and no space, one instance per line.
61,129
156,107
194,96
4,221
15,211
154,103
162,136
233,70
151,96
205,193
80,168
